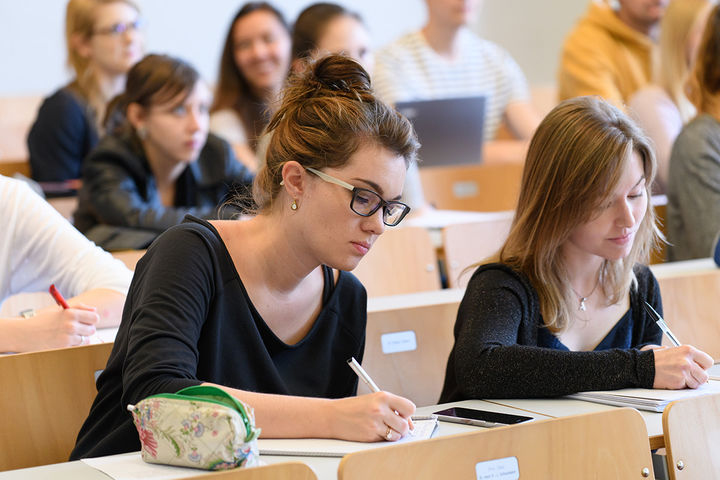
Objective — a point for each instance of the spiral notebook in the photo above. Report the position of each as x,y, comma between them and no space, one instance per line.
323,447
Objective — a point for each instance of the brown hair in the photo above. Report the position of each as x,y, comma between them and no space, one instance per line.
154,80
704,84
232,90
311,24
328,111
80,16
674,66
574,162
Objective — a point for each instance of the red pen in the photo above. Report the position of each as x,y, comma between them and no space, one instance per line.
59,299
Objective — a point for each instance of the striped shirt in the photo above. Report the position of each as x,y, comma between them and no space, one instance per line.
409,69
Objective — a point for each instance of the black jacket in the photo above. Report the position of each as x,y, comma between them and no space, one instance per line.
119,190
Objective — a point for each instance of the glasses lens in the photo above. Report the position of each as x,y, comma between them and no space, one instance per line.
394,212
365,202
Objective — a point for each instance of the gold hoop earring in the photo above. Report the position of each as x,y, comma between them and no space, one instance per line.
294,205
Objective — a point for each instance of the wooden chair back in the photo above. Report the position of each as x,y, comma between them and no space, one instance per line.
690,309
611,444
660,204
129,257
484,187
692,436
402,260
469,243
44,400
277,471
406,349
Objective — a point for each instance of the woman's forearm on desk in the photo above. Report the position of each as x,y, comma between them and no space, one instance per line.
108,304
364,418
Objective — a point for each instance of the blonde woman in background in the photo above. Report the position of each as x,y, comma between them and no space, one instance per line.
561,308
103,41
662,108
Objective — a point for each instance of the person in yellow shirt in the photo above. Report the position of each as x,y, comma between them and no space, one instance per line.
609,53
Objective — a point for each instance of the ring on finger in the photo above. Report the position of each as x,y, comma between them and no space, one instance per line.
388,434
82,339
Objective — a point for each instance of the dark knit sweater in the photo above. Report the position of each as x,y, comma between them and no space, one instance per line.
496,352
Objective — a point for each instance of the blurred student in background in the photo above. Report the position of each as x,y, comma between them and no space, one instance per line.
38,247
324,28
103,40
445,59
662,108
610,51
694,181
159,163
253,67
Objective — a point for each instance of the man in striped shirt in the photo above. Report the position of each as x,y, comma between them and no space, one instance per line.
446,60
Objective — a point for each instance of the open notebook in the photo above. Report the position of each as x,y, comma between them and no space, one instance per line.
646,399
322,447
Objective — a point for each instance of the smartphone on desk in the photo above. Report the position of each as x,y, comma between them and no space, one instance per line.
480,418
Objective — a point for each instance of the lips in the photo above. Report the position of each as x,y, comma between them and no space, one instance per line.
362,247
623,239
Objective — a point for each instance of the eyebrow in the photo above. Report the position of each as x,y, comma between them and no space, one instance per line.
642,177
377,188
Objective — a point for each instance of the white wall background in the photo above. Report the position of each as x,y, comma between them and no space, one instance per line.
32,50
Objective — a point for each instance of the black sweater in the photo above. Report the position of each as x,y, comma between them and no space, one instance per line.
188,319
496,352
62,135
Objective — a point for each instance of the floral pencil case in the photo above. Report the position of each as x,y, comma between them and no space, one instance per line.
200,427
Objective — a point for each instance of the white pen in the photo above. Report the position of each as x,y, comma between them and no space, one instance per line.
661,323
360,371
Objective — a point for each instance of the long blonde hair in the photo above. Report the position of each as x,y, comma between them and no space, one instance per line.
80,17
574,163
674,66
704,83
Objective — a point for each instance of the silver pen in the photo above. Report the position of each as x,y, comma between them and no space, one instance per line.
661,323
360,371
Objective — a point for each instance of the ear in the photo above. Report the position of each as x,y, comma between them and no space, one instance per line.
81,44
135,115
296,66
294,178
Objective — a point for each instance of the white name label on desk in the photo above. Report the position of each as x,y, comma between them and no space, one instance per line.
500,469
398,342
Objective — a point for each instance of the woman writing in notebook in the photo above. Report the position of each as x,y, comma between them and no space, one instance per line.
265,307
560,309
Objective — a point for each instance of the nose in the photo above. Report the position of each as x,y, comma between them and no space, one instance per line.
374,223
195,119
258,49
626,216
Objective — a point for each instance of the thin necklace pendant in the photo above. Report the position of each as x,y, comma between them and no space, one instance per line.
582,306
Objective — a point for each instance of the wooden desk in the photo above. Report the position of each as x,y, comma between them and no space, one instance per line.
324,467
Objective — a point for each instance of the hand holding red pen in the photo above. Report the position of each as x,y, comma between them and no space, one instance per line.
59,299
53,328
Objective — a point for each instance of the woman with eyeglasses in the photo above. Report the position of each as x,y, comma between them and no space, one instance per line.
265,307
103,40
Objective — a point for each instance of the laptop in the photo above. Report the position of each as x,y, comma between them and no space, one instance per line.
450,130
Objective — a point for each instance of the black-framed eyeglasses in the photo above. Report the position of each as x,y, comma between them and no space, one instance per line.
366,202
118,29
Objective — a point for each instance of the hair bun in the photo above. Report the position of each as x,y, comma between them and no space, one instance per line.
339,73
